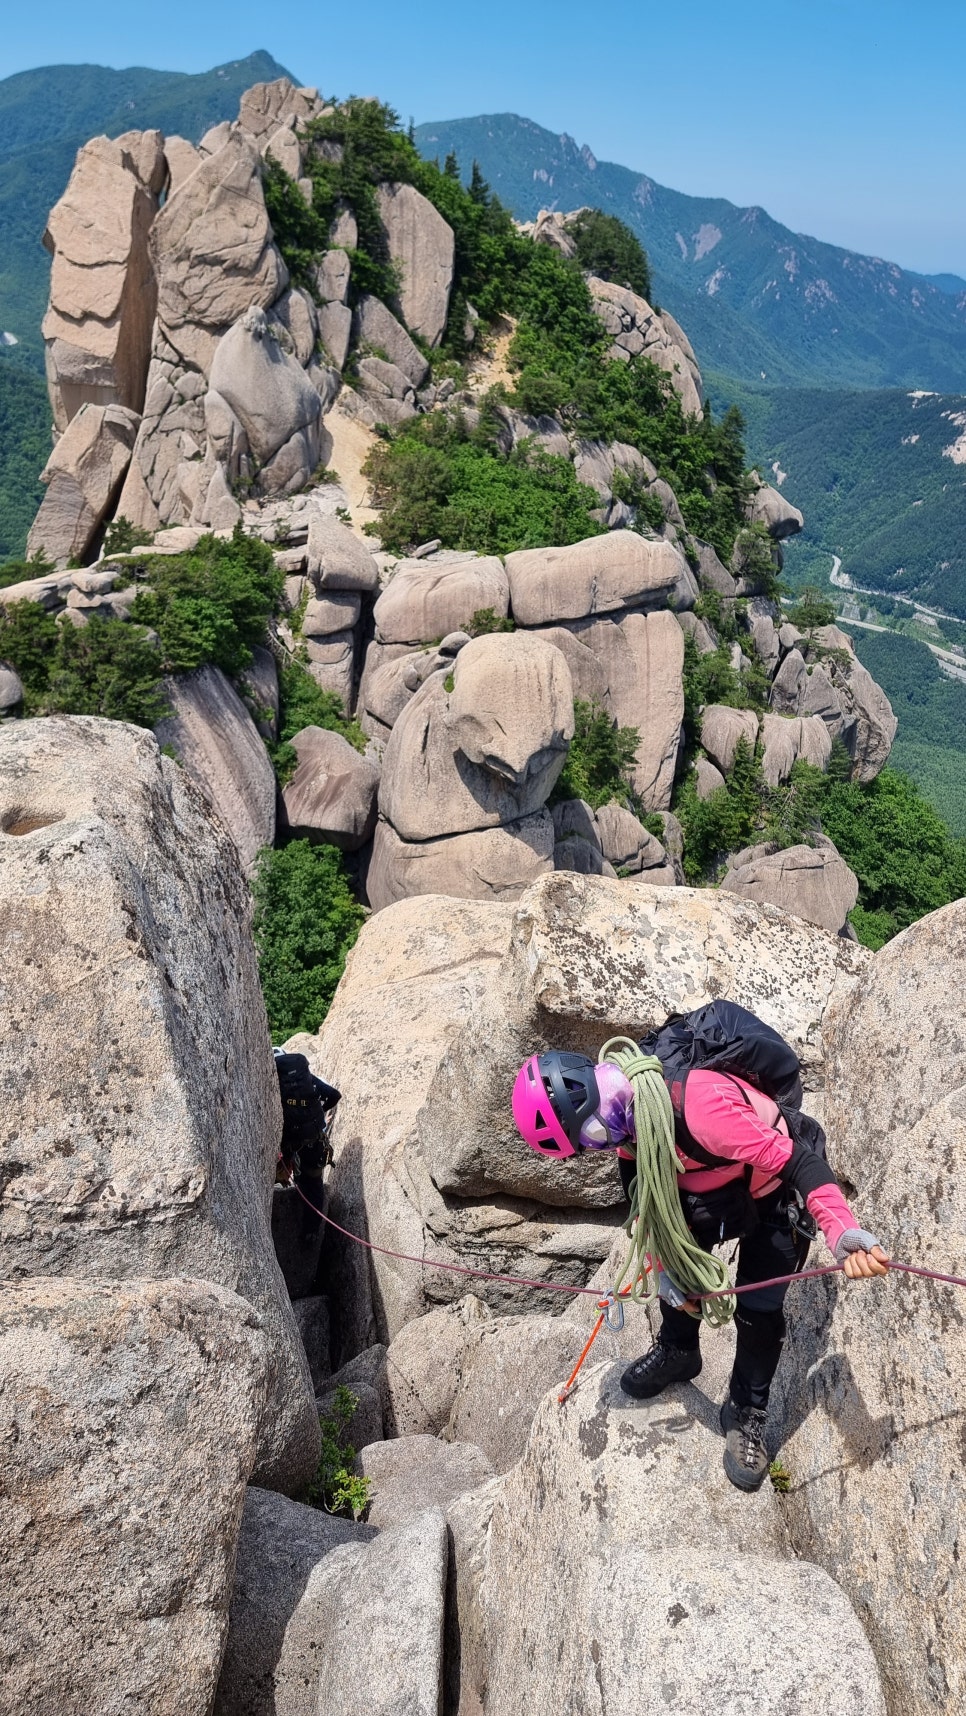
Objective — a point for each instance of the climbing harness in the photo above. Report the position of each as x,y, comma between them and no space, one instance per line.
656,1226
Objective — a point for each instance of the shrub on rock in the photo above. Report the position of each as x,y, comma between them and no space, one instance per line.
306,920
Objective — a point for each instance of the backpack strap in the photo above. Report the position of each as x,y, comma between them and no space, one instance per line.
684,1137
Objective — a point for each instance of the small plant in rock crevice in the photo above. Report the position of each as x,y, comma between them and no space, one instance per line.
336,1488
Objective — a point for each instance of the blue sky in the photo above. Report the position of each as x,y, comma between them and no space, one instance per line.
843,118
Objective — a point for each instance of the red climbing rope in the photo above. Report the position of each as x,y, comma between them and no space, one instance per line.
605,1304
453,1268
594,1292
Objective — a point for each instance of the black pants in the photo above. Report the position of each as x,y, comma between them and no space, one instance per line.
773,1249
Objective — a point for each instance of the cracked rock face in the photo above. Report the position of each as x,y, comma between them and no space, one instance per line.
874,1388
145,1147
102,289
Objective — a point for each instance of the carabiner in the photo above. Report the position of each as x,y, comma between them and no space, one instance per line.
613,1310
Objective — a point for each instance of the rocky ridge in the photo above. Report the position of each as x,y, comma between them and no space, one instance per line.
174,1327
194,387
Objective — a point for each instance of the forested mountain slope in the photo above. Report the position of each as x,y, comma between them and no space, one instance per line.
880,477
758,300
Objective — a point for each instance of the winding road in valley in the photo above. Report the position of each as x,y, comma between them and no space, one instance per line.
951,664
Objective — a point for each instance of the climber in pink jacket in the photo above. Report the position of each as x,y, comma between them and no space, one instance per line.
747,1179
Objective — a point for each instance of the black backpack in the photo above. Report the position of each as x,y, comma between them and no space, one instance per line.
305,1101
728,1038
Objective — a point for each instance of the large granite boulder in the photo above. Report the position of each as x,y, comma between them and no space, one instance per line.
83,477
834,687
11,689
331,662
678,1586
495,863
336,559
146,1144
786,739
626,842
874,1383
769,507
215,738
392,675
724,729
212,251
425,600
504,1378
130,1414
271,398
425,1363
334,611
601,575
332,794
642,658
482,745
103,294
810,882
376,328
587,670
422,246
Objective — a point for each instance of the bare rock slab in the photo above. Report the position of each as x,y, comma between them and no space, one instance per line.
129,1414
216,739
422,246
413,1473
146,1145
632,1499
876,1387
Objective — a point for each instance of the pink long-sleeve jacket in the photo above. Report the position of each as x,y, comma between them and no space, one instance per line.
736,1122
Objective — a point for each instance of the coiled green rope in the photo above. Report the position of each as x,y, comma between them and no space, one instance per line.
656,1224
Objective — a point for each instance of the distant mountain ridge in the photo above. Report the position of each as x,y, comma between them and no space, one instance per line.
953,283
45,117
758,301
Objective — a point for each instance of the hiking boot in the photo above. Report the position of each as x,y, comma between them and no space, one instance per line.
745,1456
658,1368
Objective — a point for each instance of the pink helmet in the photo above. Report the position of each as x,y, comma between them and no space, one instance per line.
564,1102
552,1096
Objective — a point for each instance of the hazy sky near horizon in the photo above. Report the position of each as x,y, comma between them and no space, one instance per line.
843,118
